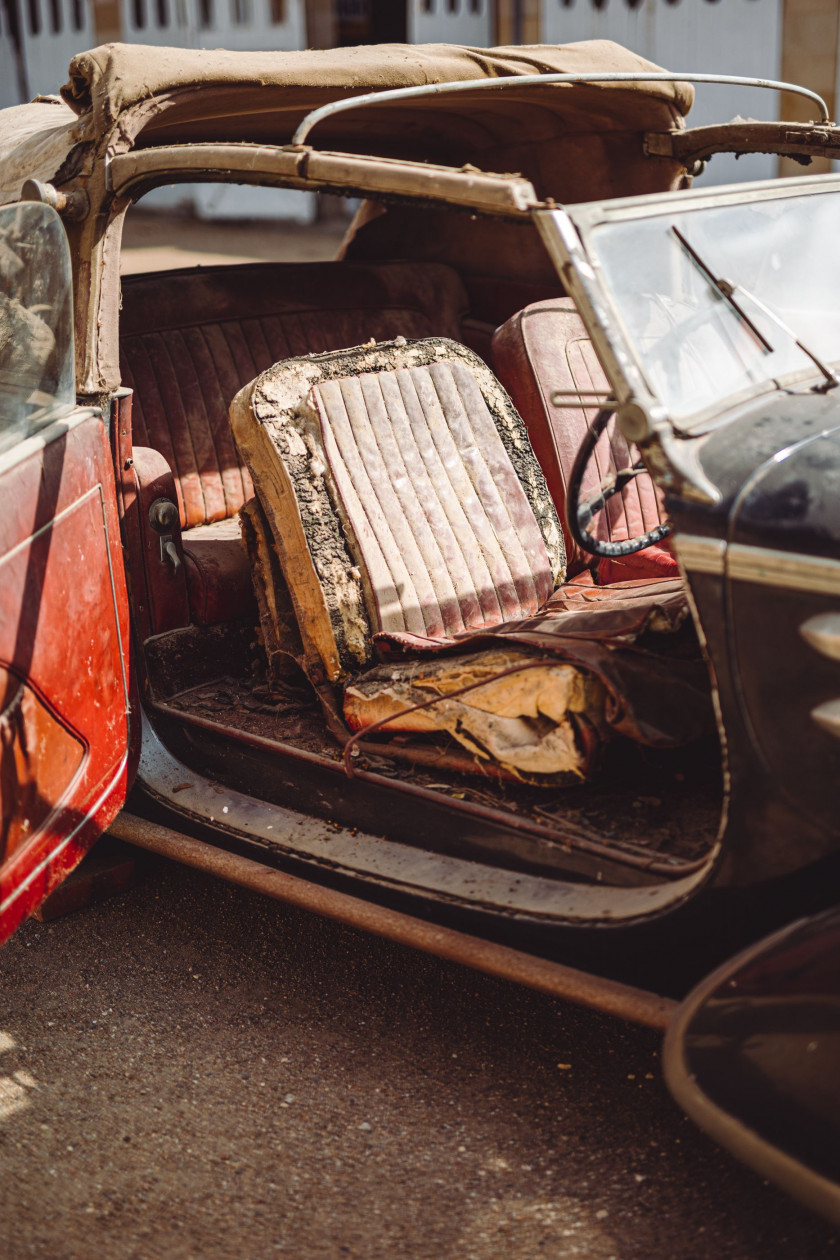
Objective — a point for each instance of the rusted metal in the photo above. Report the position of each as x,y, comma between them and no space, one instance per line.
483,191
567,983
73,205
64,636
696,144
571,840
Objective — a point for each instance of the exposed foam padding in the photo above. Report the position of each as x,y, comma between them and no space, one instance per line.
402,494
534,718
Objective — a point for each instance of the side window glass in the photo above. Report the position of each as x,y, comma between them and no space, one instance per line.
37,382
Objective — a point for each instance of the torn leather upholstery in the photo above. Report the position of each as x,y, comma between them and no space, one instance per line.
521,712
636,637
402,495
402,504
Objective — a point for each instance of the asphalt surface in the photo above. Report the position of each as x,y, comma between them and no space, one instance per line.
189,1070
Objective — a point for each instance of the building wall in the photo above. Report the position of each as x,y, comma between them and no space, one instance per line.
518,22
737,37
237,24
810,57
12,91
450,22
51,32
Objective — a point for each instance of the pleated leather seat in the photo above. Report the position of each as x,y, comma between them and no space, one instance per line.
403,517
402,496
545,349
190,339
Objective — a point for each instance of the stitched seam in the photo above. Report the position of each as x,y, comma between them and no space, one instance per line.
402,431
166,350
529,574
223,329
209,405
456,501
437,611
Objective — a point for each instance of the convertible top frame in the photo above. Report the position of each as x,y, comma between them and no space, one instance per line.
132,174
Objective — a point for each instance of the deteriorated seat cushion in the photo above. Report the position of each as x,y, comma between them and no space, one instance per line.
402,510
402,495
544,349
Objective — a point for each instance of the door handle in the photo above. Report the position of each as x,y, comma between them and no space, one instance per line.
169,554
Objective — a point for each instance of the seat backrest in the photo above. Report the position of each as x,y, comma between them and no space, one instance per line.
190,339
402,495
543,350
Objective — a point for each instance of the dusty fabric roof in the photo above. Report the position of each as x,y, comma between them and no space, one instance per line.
35,140
124,96
158,96
112,78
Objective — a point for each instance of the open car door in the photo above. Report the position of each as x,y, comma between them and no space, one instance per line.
63,604
753,1056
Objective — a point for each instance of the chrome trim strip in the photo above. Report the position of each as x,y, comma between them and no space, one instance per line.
822,633
700,555
61,807
50,524
789,570
30,445
38,870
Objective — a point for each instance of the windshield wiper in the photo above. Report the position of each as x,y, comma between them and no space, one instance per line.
724,288
727,289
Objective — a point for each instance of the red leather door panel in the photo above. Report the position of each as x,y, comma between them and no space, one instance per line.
63,658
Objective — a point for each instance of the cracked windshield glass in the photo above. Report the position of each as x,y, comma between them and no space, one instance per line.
714,299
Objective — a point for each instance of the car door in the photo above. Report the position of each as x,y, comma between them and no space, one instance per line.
63,604
752,1056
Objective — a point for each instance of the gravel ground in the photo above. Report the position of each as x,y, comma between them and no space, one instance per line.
188,1070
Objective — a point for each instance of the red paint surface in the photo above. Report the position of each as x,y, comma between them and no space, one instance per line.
64,631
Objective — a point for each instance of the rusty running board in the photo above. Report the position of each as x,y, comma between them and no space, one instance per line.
567,983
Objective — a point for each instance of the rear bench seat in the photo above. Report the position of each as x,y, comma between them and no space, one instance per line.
190,339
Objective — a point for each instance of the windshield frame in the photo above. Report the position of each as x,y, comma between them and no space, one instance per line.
589,216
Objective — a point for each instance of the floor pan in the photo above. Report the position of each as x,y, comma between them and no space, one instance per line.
651,811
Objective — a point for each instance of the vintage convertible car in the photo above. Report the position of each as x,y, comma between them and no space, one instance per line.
347,571
479,587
